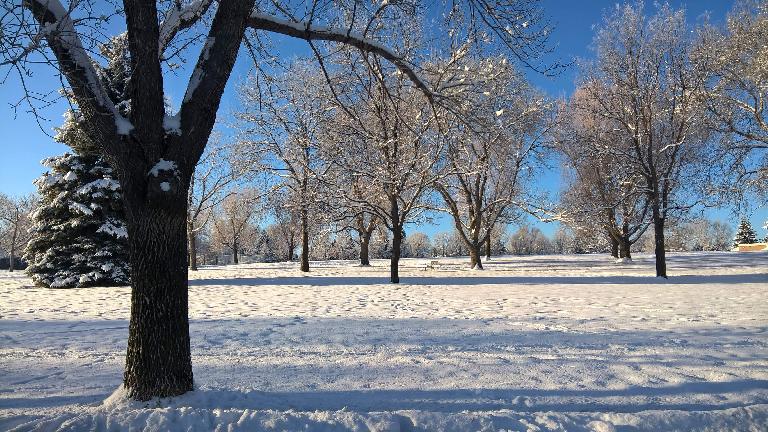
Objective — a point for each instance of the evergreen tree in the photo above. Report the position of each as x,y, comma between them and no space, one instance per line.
745,234
79,236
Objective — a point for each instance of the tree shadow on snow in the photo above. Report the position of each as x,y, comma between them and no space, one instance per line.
325,281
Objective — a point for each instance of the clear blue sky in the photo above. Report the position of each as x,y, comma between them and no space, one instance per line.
25,143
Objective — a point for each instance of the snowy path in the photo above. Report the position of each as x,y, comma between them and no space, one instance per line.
575,342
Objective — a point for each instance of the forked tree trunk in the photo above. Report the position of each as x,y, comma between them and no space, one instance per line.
474,256
304,241
624,246
365,244
158,361
658,233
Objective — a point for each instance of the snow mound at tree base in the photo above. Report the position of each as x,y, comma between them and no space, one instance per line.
221,411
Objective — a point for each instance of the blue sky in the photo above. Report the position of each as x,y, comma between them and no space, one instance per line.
26,143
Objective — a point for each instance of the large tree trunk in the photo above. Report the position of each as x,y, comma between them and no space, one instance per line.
614,246
158,361
304,241
235,257
658,232
397,239
624,243
474,256
624,246
192,237
365,243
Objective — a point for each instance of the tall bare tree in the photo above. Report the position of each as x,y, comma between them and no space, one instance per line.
602,185
15,221
646,83
208,188
279,128
737,96
492,147
234,221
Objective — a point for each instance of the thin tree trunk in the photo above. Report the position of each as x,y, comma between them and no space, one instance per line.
658,232
304,241
365,243
12,257
235,258
192,247
397,239
158,361
291,247
488,248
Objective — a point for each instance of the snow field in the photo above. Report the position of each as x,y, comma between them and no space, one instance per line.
531,343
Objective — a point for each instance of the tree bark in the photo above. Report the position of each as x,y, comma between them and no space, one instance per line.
365,243
397,239
291,247
488,248
192,247
12,257
624,251
158,361
304,241
614,246
474,257
658,233
235,257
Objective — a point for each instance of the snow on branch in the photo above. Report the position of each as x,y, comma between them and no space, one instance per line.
57,27
180,18
309,31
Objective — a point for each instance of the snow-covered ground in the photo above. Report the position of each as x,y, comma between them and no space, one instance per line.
531,343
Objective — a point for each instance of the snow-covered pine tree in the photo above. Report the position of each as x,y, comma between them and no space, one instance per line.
745,234
79,236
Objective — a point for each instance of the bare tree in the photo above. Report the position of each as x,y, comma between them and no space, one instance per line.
737,96
233,223
154,150
15,221
645,82
603,187
383,137
279,128
491,148
208,188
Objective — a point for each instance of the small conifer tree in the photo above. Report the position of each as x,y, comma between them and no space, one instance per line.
745,234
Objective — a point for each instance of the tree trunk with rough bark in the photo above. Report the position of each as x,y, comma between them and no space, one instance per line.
158,361
365,243
624,251
614,247
474,256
